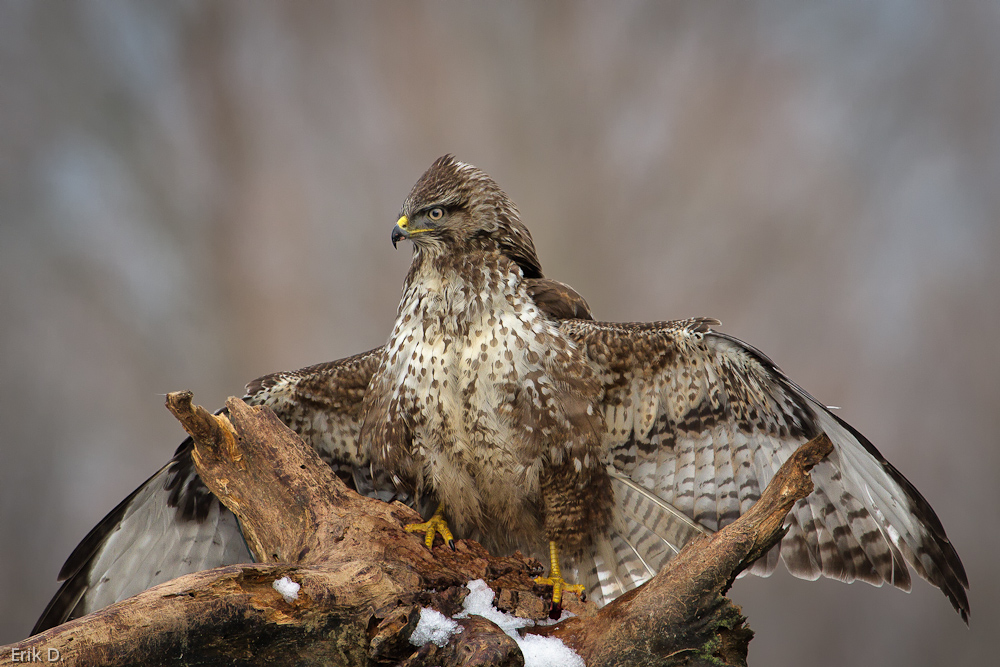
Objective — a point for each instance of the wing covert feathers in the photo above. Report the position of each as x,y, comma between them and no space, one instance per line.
558,300
698,424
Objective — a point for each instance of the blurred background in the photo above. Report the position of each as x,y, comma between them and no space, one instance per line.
193,194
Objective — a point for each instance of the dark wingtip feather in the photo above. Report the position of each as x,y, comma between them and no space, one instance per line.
60,607
950,576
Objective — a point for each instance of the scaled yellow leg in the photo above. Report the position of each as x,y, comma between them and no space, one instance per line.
436,524
555,579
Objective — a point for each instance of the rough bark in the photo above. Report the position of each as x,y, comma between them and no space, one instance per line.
364,579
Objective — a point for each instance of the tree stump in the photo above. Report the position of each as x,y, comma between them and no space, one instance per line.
362,579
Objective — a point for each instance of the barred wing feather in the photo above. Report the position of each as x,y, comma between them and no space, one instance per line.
698,423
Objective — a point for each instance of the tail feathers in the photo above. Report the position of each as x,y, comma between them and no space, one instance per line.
645,534
647,518
610,568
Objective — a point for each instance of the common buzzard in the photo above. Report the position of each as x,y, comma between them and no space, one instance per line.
499,402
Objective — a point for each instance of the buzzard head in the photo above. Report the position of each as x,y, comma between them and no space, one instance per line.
457,208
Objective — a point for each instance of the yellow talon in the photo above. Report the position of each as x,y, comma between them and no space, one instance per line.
436,524
555,579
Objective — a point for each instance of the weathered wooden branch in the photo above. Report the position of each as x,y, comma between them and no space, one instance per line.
364,579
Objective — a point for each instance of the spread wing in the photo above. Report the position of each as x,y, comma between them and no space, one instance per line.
172,525
698,423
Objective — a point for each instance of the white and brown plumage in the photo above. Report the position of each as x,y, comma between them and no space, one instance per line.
480,399
498,395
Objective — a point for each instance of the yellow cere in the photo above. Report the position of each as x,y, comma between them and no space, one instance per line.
403,223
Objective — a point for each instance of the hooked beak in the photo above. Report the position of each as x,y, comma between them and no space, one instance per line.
399,232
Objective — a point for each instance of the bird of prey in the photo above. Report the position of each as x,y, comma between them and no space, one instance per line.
501,408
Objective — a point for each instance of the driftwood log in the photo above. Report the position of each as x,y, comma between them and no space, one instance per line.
364,579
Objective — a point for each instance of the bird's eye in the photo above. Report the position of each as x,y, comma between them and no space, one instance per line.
435,213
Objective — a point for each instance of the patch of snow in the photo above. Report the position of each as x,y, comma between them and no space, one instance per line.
538,651
433,626
479,602
288,589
